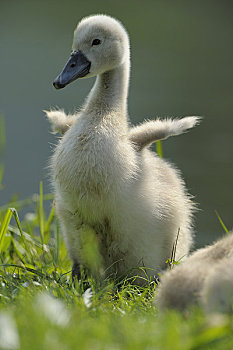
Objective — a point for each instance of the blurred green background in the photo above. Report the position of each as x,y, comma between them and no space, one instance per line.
182,56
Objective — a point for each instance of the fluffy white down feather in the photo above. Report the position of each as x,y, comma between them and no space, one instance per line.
103,175
205,278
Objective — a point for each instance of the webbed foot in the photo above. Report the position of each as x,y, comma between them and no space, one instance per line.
76,271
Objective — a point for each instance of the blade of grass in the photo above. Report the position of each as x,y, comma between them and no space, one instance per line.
5,246
38,273
17,251
41,213
50,219
57,243
4,227
221,222
159,149
30,239
27,249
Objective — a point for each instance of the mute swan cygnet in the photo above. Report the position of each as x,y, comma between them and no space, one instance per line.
205,278
104,176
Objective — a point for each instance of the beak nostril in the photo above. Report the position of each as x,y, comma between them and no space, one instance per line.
76,67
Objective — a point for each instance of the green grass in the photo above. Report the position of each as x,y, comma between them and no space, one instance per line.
159,149
40,309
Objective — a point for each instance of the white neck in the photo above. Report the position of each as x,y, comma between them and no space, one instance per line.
110,91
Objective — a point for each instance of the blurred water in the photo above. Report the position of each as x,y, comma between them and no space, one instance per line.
182,56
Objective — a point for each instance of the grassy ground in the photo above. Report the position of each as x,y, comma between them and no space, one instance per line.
40,309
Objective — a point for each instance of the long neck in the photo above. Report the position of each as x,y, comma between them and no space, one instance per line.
110,91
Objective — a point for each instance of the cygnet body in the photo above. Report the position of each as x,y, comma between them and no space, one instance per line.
103,174
205,278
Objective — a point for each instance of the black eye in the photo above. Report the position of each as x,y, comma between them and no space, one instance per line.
96,42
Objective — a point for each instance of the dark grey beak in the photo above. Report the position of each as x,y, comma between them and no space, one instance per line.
76,67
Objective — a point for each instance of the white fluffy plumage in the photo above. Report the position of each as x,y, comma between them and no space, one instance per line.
205,278
103,174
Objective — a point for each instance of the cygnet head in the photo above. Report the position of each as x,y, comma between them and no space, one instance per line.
100,44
